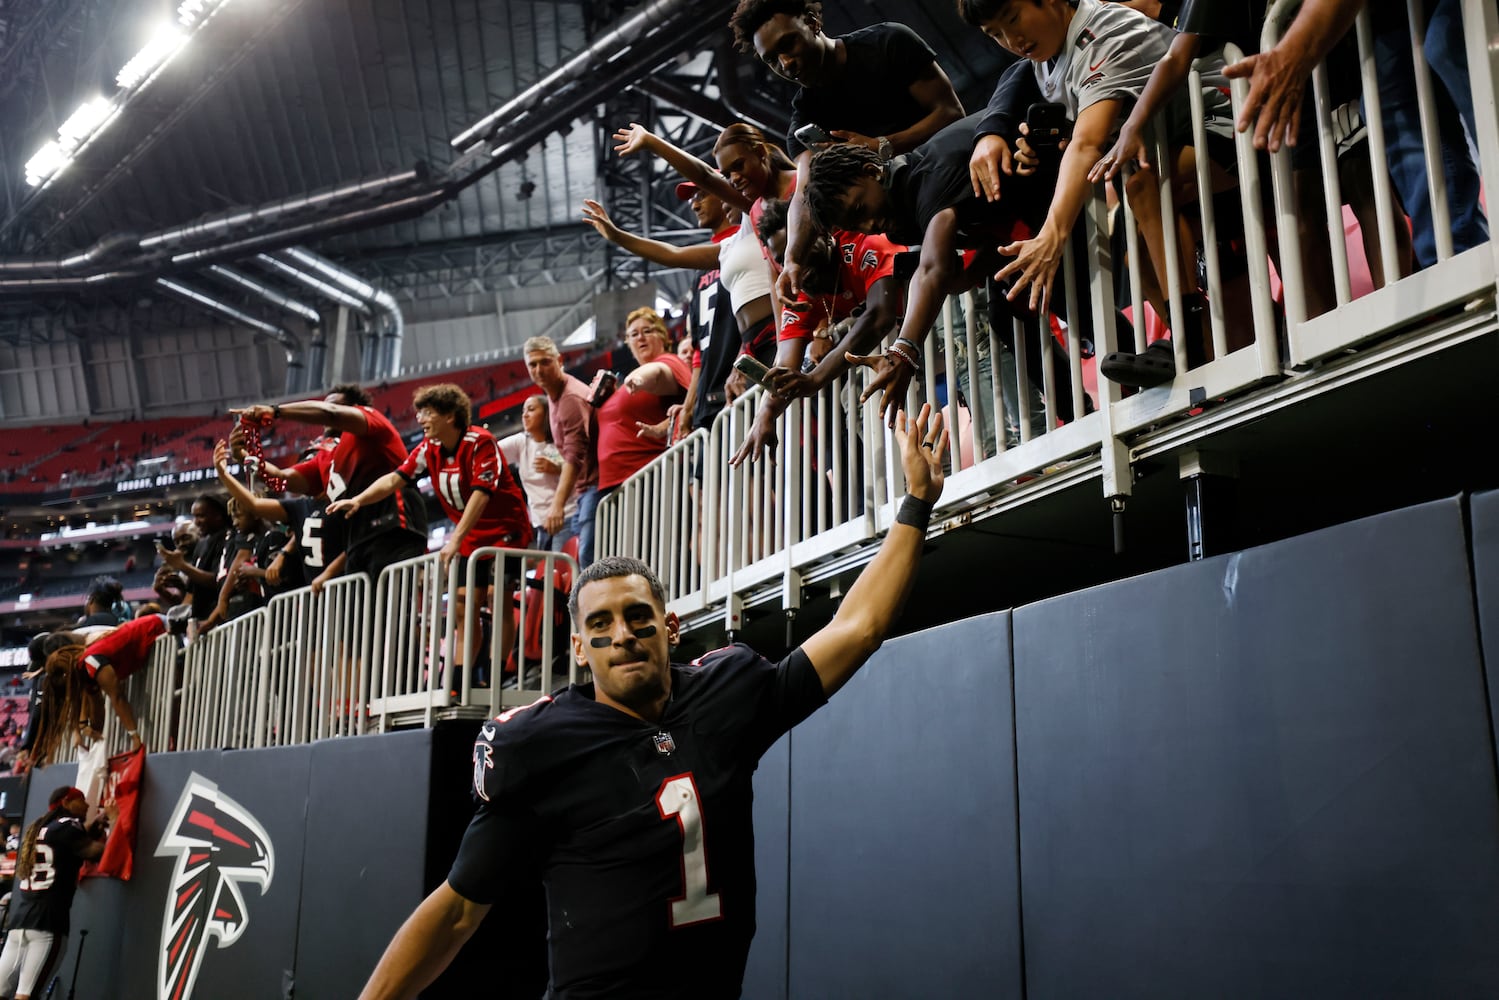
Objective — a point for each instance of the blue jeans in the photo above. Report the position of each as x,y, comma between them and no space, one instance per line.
582,525
1453,99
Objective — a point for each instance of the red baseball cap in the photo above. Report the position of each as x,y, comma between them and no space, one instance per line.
686,190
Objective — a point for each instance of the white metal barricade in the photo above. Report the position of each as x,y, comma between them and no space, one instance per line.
314,682
411,672
153,696
221,681
530,592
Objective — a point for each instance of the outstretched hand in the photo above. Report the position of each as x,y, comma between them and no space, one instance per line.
762,437
922,450
598,217
891,377
1128,148
1276,82
633,139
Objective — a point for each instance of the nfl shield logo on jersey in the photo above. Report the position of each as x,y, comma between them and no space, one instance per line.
665,745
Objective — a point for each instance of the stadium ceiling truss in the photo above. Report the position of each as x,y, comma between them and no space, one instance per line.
294,100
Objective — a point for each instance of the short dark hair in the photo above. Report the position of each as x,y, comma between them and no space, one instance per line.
831,173
772,218
608,568
106,590
751,14
980,12
215,500
352,392
447,399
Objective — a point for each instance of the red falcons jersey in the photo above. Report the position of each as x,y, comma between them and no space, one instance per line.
126,648
475,465
357,461
861,261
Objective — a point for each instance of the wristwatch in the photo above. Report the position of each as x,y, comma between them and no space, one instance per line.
886,150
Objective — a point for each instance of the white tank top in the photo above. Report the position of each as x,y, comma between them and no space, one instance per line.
743,269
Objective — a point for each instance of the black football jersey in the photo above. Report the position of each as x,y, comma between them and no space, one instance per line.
44,898
320,540
641,832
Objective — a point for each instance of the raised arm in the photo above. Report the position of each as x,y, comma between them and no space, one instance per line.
349,419
873,603
424,945
637,138
702,257
264,507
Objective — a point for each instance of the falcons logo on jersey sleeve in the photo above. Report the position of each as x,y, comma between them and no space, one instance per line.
218,846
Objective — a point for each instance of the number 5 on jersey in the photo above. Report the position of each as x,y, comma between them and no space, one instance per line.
678,797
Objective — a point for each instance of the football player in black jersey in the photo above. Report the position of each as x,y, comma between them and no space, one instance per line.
53,850
630,797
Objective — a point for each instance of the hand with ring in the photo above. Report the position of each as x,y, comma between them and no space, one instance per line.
1129,147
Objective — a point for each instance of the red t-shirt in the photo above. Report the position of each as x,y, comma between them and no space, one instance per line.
126,648
862,260
475,465
357,460
622,452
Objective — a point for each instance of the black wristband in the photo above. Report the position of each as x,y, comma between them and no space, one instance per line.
915,512
275,411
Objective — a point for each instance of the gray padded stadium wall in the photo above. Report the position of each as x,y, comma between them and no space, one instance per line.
901,842
1484,522
1266,774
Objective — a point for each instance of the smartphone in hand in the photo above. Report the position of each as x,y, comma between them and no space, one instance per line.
751,368
810,135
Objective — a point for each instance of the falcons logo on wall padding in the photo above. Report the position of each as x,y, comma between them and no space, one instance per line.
218,846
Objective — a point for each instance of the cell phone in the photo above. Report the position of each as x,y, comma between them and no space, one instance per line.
751,368
1048,124
166,544
812,135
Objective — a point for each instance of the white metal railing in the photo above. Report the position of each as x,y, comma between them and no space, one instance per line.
220,681
315,664
355,656
153,695
719,534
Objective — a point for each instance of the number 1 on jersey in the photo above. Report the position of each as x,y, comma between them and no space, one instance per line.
678,797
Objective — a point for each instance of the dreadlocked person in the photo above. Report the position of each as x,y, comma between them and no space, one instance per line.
53,850
77,679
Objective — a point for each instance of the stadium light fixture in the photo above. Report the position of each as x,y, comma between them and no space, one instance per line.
94,116
164,43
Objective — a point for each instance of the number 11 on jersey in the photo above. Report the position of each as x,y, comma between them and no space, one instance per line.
678,797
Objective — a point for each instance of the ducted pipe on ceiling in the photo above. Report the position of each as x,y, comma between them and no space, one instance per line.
217,227
279,334
589,61
279,299
392,324
110,246
328,291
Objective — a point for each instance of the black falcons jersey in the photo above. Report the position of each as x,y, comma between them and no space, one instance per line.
320,540
44,898
642,833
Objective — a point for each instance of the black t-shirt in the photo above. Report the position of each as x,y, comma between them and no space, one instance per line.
642,833
716,334
1218,22
208,555
934,176
44,898
873,93
1013,96
320,540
